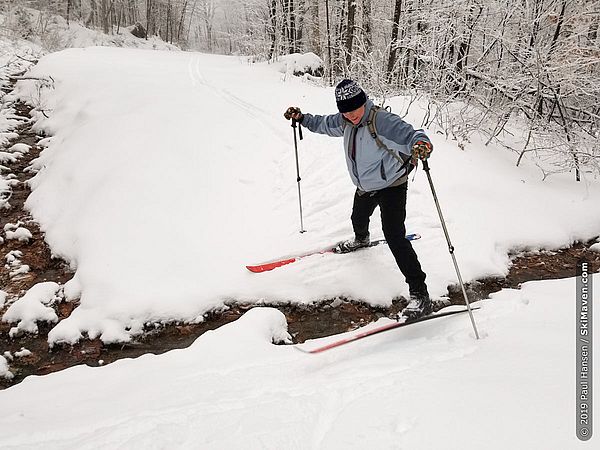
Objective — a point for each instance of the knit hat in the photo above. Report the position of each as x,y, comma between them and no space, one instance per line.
349,96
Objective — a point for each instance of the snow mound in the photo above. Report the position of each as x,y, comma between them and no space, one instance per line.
32,308
6,157
21,234
300,63
4,372
20,148
23,353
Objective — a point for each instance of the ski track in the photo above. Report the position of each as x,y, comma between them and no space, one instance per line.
253,111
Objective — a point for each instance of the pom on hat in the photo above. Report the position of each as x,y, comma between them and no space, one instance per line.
349,96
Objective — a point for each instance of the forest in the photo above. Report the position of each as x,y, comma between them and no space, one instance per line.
522,73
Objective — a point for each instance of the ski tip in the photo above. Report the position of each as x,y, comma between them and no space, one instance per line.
269,266
306,352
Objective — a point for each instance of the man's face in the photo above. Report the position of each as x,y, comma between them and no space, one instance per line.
356,115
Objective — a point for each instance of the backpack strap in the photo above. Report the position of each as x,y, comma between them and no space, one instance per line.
373,130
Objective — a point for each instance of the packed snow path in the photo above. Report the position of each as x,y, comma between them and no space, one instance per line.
167,172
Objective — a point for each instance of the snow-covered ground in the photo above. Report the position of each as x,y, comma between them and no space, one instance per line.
427,386
167,172
42,29
163,178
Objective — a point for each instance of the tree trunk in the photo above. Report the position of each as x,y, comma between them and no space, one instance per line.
288,24
148,12
329,61
367,28
315,30
181,19
558,29
394,40
272,26
536,24
293,40
350,31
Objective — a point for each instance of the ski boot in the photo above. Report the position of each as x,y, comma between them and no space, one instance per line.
352,244
420,305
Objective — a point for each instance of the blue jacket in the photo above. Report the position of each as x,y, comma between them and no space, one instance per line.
371,168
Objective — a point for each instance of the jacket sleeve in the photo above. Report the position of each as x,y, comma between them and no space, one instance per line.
392,127
331,125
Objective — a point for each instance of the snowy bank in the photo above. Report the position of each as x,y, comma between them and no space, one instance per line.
427,386
165,177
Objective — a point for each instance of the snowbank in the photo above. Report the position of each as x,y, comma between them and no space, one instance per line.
300,63
164,178
413,388
57,34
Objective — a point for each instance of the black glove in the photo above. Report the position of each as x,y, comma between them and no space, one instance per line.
293,112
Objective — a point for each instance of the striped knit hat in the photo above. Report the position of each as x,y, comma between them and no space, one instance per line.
349,96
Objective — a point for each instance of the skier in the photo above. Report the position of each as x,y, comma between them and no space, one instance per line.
371,136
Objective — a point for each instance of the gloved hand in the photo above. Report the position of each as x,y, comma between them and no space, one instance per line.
293,112
422,150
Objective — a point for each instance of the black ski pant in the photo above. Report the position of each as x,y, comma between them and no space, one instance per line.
392,204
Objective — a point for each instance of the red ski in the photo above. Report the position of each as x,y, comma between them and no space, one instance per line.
264,267
381,329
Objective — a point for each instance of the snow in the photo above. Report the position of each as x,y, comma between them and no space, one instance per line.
20,270
414,388
163,179
214,188
10,65
13,256
160,225
14,263
20,148
23,353
5,193
299,63
21,234
595,247
6,157
4,372
58,35
12,227
32,308
3,296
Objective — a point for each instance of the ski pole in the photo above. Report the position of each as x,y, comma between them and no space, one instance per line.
450,246
302,230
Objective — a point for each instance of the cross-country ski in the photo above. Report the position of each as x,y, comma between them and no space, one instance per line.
381,329
266,266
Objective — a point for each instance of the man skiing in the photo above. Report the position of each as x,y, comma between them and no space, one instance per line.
380,151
